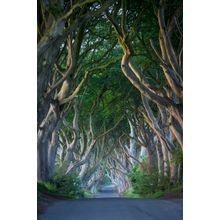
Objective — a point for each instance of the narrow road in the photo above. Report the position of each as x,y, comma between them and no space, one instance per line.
107,192
106,206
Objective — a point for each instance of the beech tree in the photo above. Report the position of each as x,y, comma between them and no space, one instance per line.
61,27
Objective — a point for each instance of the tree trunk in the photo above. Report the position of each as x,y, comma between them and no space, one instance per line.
132,147
173,169
160,159
43,140
165,157
72,146
53,150
143,153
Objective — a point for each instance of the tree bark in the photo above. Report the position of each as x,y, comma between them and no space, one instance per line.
43,140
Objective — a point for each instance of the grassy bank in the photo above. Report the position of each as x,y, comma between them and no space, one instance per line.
174,192
51,190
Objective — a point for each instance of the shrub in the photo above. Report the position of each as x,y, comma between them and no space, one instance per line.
130,194
156,195
68,185
87,194
143,183
147,184
46,187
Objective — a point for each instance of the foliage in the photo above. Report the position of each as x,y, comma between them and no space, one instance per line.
148,184
177,155
69,186
87,194
130,194
177,188
46,187
156,195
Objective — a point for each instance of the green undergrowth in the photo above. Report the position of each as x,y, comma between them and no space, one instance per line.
176,189
65,186
88,194
150,185
131,194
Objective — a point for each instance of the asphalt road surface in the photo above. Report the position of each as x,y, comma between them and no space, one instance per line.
107,192
108,206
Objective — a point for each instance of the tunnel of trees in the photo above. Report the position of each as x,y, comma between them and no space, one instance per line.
110,83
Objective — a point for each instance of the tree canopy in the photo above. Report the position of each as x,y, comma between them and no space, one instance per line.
110,83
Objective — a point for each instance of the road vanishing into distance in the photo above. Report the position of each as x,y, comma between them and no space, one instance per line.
107,205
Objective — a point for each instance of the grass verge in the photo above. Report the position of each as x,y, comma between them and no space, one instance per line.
169,193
